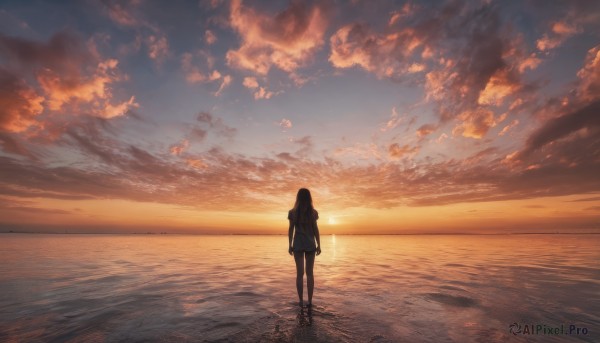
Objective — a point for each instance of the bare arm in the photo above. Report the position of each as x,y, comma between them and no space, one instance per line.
318,237
291,236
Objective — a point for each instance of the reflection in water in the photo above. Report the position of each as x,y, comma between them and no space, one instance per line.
242,288
304,318
333,247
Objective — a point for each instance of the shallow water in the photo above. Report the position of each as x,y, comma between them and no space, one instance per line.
463,288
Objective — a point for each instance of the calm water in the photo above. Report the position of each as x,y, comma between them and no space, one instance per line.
86,288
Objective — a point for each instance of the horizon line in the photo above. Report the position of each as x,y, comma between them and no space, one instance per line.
285,234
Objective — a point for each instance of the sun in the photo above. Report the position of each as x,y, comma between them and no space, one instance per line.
332,221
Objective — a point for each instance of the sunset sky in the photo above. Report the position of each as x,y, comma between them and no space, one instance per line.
207,116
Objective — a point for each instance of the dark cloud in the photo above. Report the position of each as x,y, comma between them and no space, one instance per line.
571,138
230,181
64,52
588,199
37,210
92,147
197,134
13,146
9,189
426,129
286,156
305,146
217,124
121,12
217,179
587,117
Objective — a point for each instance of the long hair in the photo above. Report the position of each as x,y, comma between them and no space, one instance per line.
303,208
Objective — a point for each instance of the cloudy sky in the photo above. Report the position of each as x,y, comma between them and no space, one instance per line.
207,116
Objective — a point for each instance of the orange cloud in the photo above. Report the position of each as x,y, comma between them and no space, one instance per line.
192,72
396,151
530,62
210,37
426,129
563,28
441,138
589,87
120,14
508,127
479,72
111,111
416,67
475,124
219,180
499,86
286,41
407,10
196,163
129,14
472,87
358,150
547,43
479,69
224,84
260,92
19,104
67,73
386,55
285,124
263,93
178,149
395,120
250,82
437,82
63,89
158,48
93,91
560,31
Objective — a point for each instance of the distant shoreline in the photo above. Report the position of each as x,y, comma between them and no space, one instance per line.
285,234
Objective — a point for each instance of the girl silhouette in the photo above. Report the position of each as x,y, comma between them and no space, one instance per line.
302,234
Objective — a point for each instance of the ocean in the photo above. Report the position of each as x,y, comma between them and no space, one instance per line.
396,288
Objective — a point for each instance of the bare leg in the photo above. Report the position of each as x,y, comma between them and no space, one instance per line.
310,279
299,258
